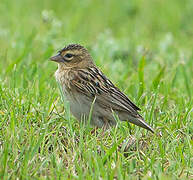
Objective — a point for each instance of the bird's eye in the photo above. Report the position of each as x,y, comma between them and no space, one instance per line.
68,55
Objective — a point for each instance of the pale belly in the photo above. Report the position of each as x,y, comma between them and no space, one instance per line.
83,108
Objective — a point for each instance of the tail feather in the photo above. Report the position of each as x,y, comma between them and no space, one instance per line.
139,121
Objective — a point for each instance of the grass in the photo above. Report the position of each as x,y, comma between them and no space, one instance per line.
145,47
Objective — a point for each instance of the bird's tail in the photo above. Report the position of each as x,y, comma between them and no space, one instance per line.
139,121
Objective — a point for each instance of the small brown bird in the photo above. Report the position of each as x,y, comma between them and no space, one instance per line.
85,86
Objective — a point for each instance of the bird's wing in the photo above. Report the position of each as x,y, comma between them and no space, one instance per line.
92,82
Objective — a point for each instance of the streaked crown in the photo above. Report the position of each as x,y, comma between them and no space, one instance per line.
73,55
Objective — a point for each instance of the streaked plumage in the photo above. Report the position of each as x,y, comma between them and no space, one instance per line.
82,83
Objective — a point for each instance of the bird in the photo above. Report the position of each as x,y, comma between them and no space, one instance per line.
87,90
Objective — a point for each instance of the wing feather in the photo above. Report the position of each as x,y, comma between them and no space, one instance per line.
92,82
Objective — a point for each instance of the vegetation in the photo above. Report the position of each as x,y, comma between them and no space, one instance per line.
145,47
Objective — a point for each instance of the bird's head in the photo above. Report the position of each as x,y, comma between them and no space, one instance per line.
73,55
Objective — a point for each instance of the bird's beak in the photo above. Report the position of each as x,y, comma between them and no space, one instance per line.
58,58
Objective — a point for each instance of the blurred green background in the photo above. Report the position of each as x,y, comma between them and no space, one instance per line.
32,31
52,24
145,47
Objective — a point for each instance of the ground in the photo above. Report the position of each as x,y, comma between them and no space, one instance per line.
144,47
